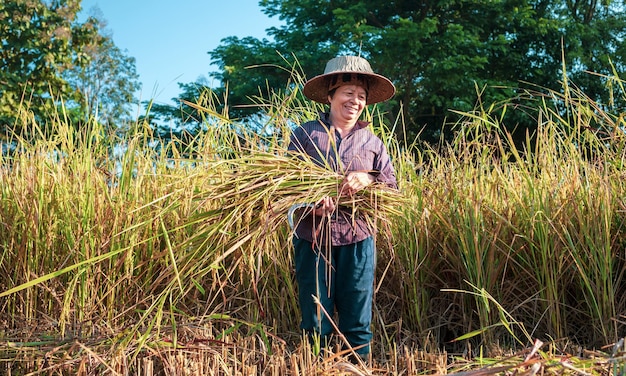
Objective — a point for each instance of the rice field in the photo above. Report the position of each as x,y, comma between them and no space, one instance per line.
121,254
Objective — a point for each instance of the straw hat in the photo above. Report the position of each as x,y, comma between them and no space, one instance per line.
347,70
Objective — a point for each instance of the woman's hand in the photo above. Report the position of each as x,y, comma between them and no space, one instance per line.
354,182
324,207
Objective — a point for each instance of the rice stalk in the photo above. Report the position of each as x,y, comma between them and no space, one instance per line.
119,256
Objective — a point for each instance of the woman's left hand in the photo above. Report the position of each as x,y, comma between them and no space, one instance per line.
354,182
326,206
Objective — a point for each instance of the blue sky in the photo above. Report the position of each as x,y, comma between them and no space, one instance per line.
170,40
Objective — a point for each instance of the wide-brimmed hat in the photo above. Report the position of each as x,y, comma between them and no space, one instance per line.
345,70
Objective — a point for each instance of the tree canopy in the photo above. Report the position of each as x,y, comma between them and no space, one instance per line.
439,54
48,57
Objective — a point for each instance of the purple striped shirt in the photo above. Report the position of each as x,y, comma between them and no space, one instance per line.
360,150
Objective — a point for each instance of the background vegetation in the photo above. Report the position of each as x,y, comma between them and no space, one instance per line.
435,52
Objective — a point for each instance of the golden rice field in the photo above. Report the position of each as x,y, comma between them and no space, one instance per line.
121,254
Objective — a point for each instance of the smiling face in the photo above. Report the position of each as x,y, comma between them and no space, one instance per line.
347,104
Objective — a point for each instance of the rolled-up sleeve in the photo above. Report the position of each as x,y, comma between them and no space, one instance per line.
383,168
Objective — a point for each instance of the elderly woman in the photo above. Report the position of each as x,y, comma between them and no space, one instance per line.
337,264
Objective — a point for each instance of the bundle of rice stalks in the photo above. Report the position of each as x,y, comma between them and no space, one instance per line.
255,195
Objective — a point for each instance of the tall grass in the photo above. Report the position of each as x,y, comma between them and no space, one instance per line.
123,253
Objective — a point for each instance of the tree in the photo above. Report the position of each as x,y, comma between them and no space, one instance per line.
38,41
437,53
48,58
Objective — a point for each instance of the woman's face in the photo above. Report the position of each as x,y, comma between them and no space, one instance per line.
348,103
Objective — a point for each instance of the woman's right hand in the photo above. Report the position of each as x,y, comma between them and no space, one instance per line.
324,207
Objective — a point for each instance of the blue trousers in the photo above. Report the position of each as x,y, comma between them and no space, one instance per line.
346,285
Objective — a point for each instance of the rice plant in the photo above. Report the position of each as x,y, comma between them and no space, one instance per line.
122,254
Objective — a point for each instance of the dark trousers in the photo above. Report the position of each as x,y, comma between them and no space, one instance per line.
347,287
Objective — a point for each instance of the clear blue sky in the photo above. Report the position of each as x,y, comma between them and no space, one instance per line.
170,40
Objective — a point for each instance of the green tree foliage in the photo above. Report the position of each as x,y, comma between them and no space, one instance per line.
441,55
48,58
37,40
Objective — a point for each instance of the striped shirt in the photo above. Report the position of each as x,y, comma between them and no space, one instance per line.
359,150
